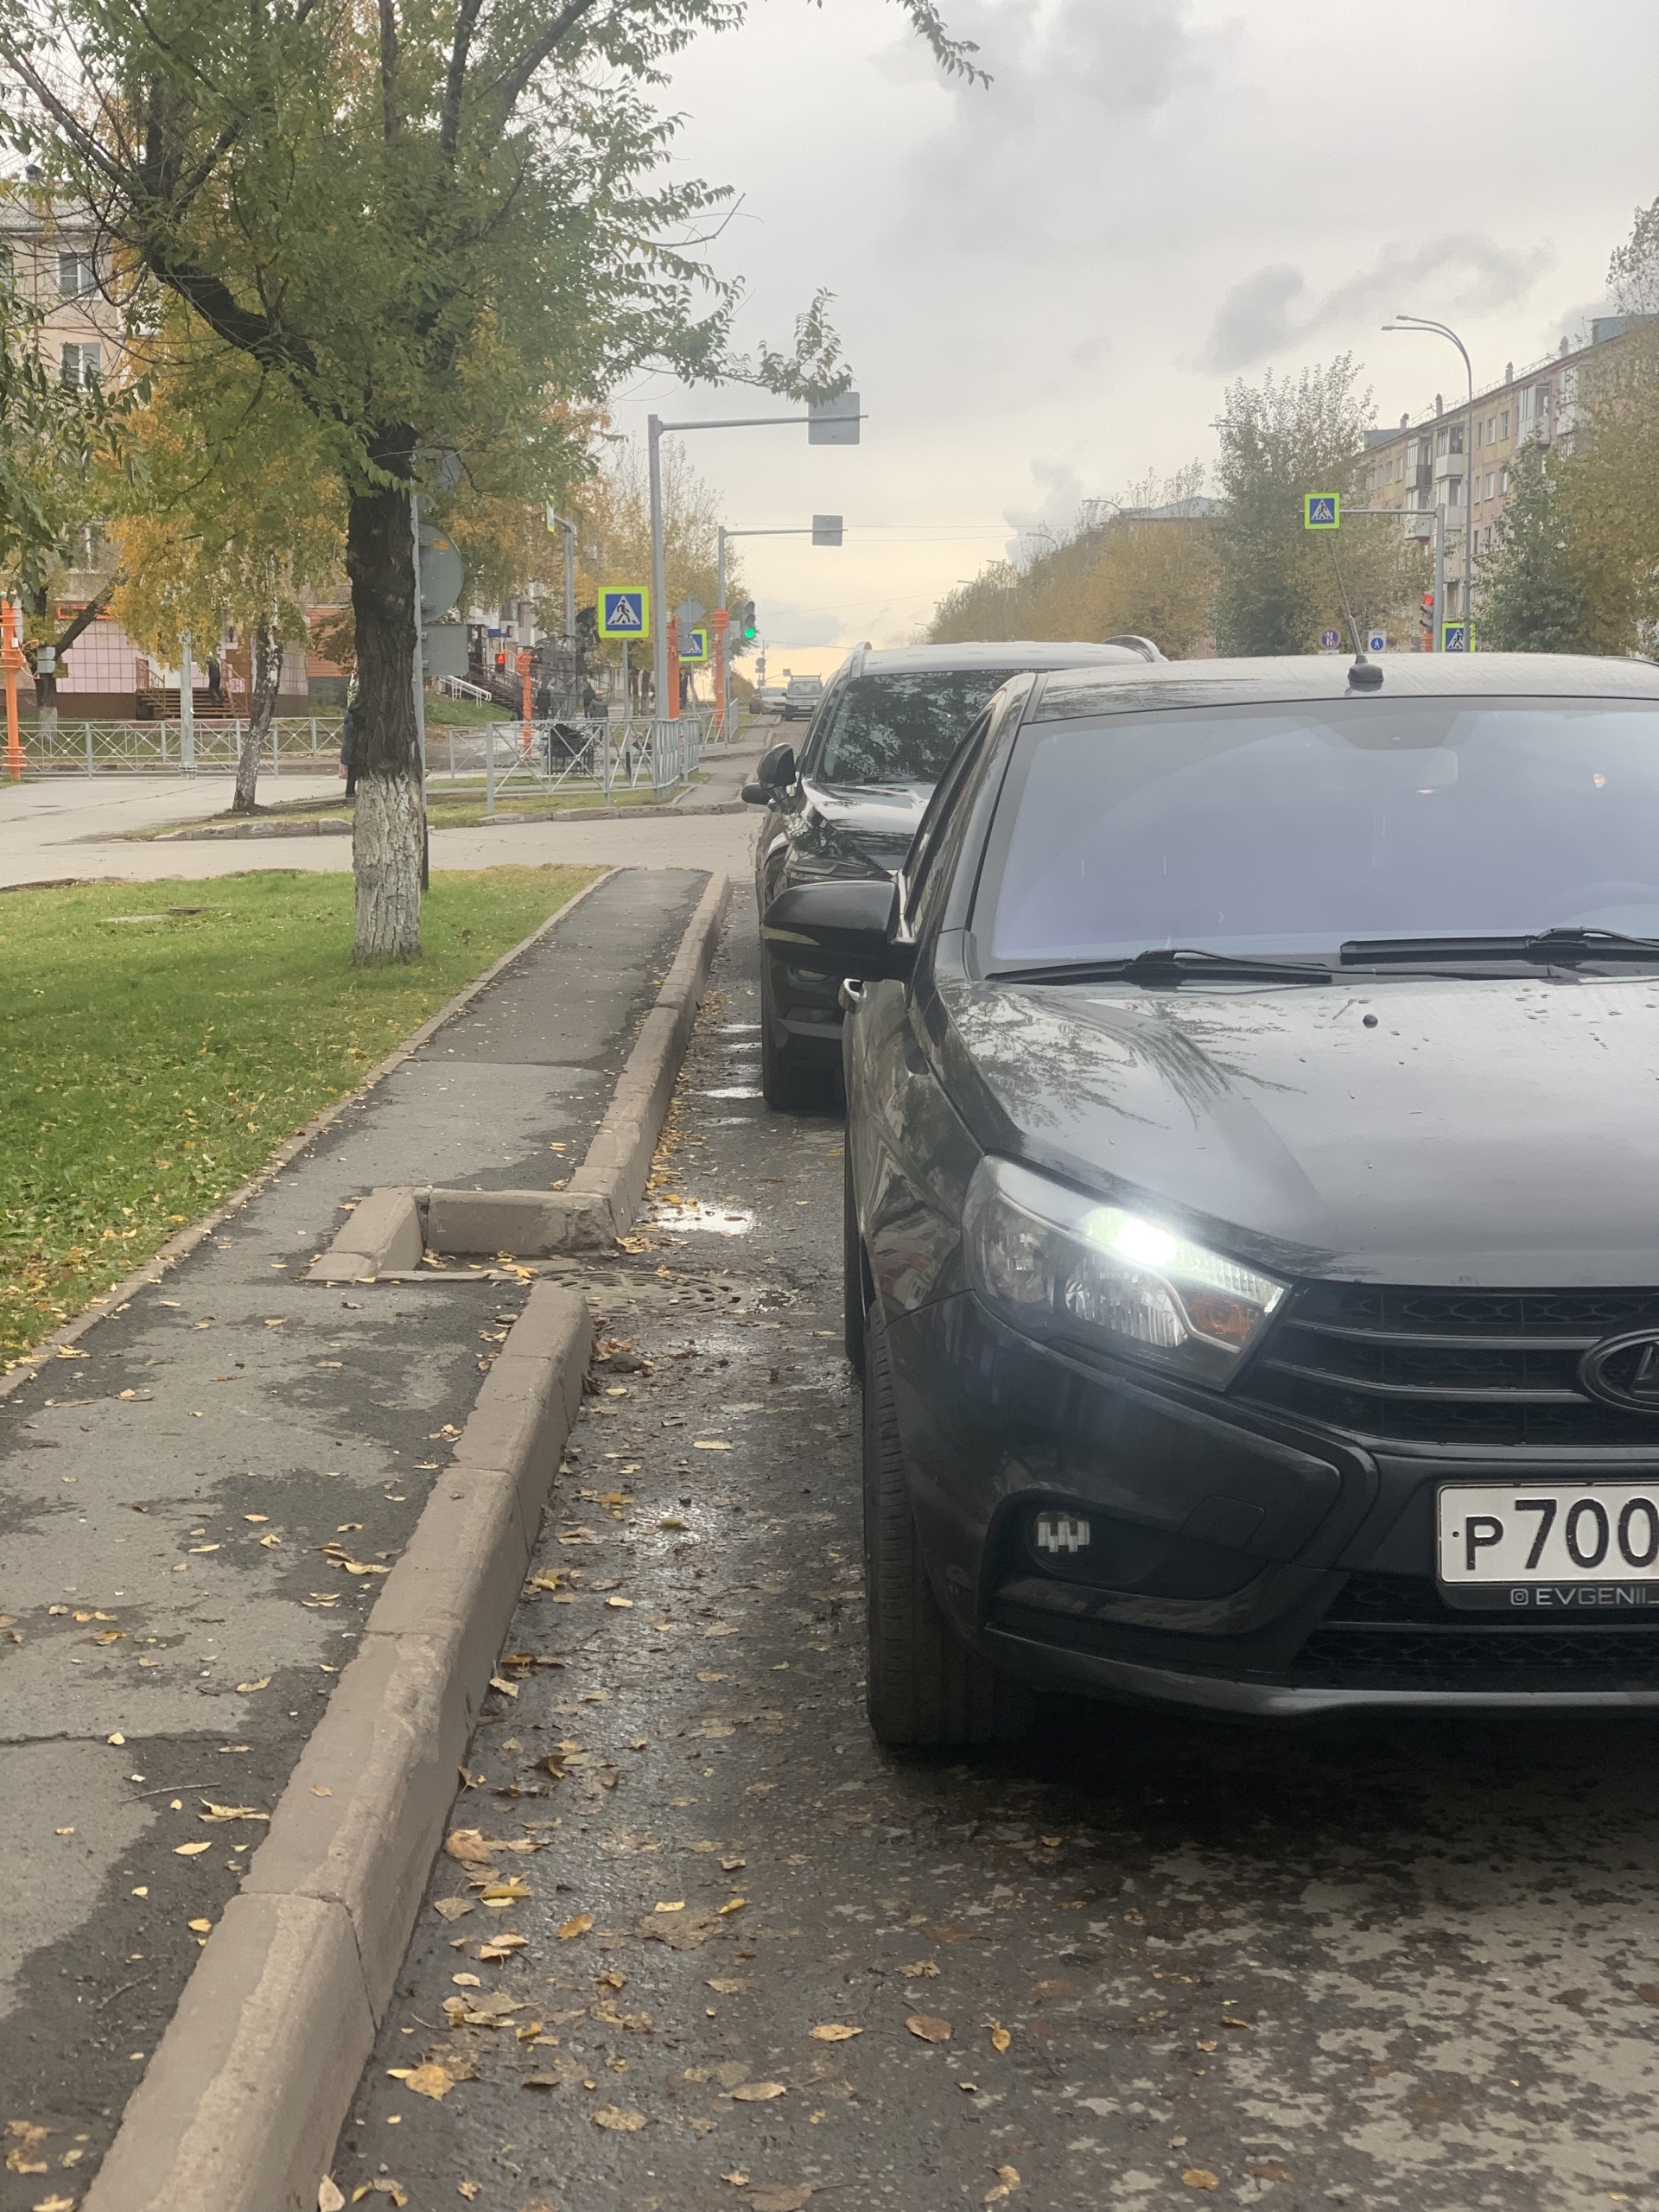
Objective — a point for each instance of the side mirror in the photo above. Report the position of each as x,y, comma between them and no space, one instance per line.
774,772
840,928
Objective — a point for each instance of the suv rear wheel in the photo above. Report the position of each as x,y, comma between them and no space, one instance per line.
925,1685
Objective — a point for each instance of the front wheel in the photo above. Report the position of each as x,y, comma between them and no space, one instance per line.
925,1685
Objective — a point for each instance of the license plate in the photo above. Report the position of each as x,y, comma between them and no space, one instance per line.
1550,1547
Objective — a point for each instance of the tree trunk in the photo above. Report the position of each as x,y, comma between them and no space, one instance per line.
46,713
267,674
388,836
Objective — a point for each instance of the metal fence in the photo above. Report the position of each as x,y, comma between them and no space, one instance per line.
78,748
507,758
592,758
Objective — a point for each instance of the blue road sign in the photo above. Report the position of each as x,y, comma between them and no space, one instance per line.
1377,642
696,645
1321,510
1456,637
625,613
1330,641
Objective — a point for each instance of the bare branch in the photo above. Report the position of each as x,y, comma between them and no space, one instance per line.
389,69
511,86
467,15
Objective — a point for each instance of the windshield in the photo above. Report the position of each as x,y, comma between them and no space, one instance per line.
903,729
1291,829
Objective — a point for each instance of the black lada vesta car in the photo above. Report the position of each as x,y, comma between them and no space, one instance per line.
1253,1194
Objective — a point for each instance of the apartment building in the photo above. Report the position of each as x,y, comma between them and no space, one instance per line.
1433,464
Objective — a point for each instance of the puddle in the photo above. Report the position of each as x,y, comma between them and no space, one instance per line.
692,1216
736,1090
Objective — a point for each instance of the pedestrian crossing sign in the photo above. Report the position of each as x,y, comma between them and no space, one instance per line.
1456,637
695,647
1321,510
623,613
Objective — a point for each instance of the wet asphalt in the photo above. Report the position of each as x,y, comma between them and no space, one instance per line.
738,1955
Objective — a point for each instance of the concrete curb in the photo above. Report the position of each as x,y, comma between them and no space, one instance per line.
391,1227
239,2107
177,1248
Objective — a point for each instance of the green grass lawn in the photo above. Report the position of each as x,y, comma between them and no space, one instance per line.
449,807
149,1067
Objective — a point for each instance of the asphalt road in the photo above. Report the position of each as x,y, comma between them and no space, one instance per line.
1138,1961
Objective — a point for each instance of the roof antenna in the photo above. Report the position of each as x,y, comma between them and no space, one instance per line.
1364,675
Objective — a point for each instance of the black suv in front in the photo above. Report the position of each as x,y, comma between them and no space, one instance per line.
848,803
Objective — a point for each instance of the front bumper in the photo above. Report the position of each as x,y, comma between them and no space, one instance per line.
1240,1561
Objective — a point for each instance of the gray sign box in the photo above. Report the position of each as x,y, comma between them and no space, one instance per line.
826,530
833,422
444,649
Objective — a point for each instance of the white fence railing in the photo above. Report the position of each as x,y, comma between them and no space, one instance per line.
80,749
596,758
507,757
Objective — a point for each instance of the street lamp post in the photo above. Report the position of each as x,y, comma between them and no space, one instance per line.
1445,330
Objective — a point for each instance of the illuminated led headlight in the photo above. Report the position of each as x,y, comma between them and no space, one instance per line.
1058,1266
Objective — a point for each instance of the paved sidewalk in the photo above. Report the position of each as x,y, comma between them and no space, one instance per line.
52,832
170,1486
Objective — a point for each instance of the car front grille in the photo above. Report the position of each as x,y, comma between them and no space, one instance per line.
1469,1367
1394,1631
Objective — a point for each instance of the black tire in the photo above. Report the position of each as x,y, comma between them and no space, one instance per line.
787,1085
925,1686
856,1296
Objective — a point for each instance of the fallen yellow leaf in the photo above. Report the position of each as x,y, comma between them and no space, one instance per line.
758,2093
1200,2178
731,1905
578,1925
263,1683
431,2080
708,1444
620,2120
330,2197
928,2028
511,1892
231,1812
189,1850
834,2031
1001,2039
118,1738
677,1906
467,1845
200,1926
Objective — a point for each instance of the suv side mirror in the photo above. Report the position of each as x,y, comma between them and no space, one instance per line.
774,772
840,928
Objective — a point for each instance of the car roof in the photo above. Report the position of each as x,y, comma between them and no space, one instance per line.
1069,694
1017,653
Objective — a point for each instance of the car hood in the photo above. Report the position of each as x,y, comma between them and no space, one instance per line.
863,828
1483,1132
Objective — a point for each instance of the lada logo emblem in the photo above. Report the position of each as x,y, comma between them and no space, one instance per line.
1624,1371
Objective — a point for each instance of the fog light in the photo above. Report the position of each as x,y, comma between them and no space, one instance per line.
1060,1532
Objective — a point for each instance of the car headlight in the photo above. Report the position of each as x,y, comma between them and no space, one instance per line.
1063,1268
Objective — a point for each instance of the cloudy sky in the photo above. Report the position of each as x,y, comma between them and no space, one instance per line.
1044,288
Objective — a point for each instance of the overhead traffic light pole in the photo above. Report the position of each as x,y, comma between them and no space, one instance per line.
823,530
829,423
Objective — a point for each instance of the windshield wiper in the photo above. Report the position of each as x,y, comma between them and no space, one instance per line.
1164,964
1558,946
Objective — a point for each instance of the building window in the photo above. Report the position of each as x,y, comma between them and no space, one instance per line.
82,366
1503,424
1504,482
1489,483
77,275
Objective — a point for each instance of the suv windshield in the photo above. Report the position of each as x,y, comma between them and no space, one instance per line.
1291,829
903,729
